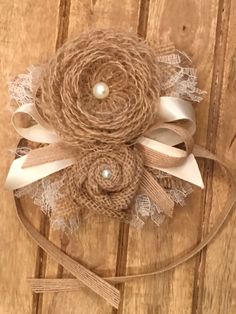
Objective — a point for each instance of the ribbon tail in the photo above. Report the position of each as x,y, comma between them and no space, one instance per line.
188,171
19,177
151,187
49,153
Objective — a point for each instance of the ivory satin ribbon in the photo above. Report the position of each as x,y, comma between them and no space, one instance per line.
171,109
40,132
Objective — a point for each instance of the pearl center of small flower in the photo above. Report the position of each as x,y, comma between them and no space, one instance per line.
100,90
106,173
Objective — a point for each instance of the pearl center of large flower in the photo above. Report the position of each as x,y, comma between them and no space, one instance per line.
100,90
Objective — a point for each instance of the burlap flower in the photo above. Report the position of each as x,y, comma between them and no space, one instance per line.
107,182
126,64
103,132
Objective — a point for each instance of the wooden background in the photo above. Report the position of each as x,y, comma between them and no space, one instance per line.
30,31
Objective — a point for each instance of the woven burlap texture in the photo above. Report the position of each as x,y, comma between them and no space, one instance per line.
130,69
109,196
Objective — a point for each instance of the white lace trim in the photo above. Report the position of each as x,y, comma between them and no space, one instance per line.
23,88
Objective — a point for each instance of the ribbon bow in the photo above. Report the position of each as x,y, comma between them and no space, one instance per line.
178,126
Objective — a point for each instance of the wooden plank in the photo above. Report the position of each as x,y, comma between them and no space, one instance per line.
217,293
88,14
101,245
96,243
27,36
185,23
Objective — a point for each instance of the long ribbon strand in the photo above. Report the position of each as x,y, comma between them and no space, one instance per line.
84,275
107,292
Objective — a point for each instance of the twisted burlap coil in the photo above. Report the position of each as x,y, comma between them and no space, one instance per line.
130,69
109,196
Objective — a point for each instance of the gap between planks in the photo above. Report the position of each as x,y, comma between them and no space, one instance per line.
213,119
41,262
40,267
123,242
63,22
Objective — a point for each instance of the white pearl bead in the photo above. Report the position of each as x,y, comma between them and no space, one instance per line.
106,173
100,90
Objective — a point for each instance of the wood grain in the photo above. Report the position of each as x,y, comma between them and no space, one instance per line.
184,23
29,34
217,291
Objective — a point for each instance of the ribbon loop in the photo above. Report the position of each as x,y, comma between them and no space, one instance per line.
39,132
173,109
